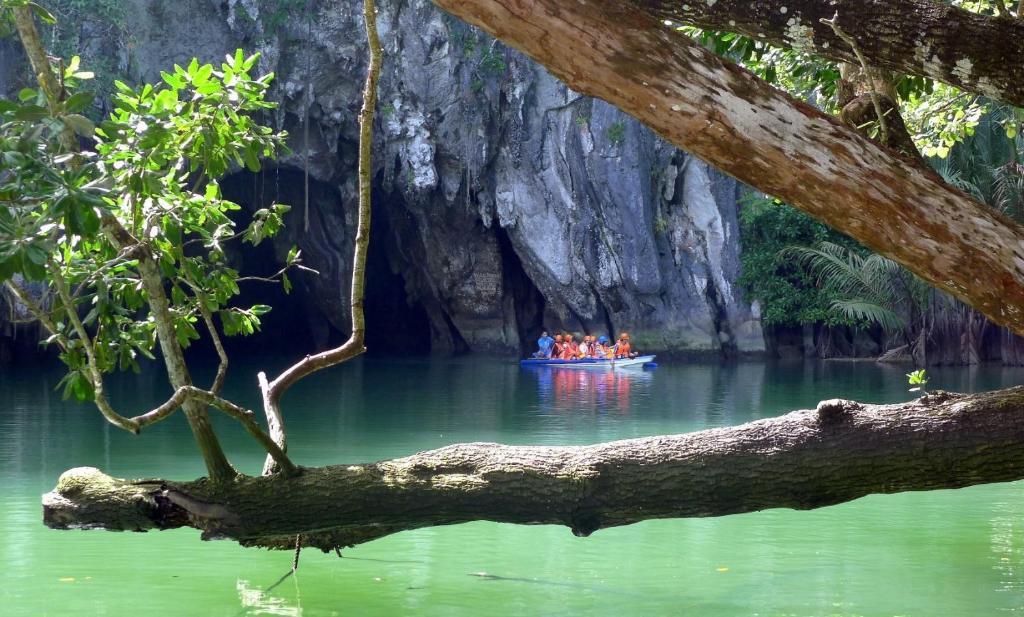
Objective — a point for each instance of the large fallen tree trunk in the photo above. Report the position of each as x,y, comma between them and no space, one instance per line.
806,459
977,53
768,139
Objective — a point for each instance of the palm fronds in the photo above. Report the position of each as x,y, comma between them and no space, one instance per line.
869,288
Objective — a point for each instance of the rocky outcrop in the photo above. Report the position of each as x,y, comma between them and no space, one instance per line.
505,201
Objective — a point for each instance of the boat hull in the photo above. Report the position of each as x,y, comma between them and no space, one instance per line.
590,363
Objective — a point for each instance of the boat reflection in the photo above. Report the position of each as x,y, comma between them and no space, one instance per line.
564,389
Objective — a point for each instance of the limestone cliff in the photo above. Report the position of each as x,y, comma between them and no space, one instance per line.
505,201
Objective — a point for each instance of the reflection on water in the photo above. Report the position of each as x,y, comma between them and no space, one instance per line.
258,602
935,553
598,390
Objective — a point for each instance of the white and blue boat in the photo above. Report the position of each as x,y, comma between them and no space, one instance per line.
592,363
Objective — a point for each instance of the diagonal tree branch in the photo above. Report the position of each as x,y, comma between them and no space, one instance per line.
974,52
768,139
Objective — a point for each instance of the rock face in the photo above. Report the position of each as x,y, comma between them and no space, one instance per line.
504,200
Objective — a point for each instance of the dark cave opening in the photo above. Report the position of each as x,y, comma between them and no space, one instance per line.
301,322
395,324
527,301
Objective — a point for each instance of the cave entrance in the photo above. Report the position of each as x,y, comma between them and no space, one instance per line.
527,301
395,324
299,321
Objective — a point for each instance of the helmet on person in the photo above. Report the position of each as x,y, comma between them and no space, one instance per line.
558,337
603,340
624,335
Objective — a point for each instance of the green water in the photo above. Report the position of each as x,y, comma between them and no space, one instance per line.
939,553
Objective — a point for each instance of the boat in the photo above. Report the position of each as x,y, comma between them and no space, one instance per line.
601,363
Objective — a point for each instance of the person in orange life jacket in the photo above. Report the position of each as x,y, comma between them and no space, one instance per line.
603,350
568,348
556,349
623,349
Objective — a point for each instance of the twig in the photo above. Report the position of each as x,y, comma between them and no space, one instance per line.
37,312
222,367
883,130
276,277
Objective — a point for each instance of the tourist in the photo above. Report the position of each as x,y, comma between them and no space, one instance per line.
544,345
556,349
569,349
584,348
623,349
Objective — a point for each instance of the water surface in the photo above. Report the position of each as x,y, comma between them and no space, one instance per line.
936,553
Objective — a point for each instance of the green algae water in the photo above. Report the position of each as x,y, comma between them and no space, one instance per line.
915,554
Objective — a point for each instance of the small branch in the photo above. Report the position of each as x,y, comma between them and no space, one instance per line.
222,367
275,277
1001,5
247,418
37,312
883,129
95,375
275,422
25,22
355,344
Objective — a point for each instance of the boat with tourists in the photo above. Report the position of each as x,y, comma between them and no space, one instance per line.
599,363
590,352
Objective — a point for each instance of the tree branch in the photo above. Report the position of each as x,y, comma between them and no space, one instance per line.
806,459
24,21
766,138
915,37
38,312
354,346
95,374
883,127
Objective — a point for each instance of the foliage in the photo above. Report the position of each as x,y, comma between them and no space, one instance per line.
918,379
150,170
988,164
616,133
867,288
484,61
788,293
937,115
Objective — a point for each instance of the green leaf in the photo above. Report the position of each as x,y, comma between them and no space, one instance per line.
80,124
26,94
78,102
44,16
31,113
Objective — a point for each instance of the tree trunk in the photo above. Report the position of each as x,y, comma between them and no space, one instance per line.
806,459
770,140
974,52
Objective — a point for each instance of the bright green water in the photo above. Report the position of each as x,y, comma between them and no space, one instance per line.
939,553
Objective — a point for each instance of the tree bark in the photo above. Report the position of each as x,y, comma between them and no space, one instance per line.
974,52
770,140
803,460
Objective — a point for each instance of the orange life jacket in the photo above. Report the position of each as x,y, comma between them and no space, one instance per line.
623,350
